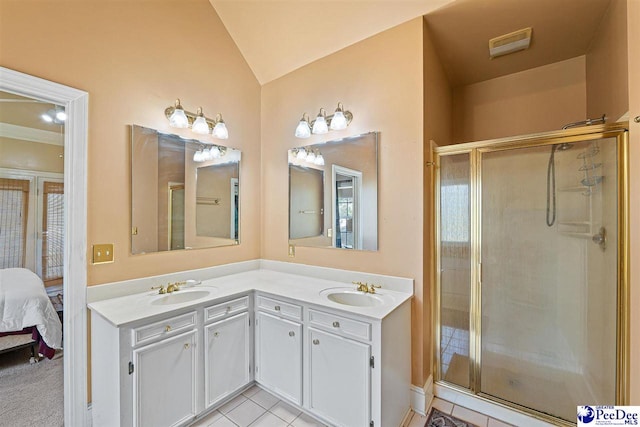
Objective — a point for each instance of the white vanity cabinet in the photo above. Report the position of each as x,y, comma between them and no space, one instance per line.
227,353
339,369
279,347
164,381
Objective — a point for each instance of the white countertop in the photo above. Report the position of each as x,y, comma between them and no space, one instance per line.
123,310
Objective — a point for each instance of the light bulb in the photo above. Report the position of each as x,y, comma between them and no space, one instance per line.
303,130
320,125
206,154
302,154
319,160
220,129
215,152
311,157
200,125
178,118
339,121
61,115
198,156
47,118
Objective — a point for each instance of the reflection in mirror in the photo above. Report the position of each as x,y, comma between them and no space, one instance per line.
184,193
333,194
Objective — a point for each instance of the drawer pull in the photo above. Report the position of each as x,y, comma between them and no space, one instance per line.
292,334
316,342
215,334
228,309
277,308
336,324
186,346
167,328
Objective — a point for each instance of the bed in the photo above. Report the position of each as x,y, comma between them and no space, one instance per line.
25,308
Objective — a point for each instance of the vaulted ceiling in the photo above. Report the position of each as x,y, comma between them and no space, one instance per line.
278,36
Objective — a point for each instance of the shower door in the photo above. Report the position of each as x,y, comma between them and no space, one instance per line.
532,305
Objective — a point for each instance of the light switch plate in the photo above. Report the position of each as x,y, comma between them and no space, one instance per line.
103,253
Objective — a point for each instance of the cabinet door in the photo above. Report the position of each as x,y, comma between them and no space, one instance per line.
164,382
226,357
339,379
279,356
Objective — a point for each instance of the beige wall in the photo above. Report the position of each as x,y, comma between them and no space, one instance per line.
633,20
607,84
27,155
134,58
380,81
537,100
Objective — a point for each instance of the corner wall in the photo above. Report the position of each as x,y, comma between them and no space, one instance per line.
380,80
537,100
134,58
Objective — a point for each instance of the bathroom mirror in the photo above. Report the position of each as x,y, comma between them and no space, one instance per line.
333,194
184,193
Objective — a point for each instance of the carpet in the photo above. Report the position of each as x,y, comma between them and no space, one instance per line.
31,394
440,419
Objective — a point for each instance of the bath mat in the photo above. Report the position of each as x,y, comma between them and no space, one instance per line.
440,419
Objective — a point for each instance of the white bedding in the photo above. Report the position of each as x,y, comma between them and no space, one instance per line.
24,302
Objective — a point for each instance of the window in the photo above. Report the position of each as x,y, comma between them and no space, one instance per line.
14,203
454,215
52,232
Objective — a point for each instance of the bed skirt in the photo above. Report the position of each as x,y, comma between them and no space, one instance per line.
43,348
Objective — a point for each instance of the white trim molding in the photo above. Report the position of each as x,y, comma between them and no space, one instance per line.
421,397
7,130
76,104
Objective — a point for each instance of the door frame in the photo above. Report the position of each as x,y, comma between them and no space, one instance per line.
357,198
75,103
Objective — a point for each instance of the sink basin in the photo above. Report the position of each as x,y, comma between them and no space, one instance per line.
179,297
349,296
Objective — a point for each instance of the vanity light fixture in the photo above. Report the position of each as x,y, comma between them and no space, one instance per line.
55,115
339,120
179,118
308,155
210,153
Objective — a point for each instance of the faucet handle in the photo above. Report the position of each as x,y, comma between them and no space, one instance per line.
161,289
372,288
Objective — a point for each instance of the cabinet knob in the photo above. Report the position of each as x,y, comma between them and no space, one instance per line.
292,334
215,334
186,346
277,308
167,328
336,324
316,342
228,309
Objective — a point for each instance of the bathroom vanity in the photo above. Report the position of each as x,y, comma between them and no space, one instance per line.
341,355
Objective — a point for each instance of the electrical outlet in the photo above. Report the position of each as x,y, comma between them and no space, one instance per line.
292,251
102,253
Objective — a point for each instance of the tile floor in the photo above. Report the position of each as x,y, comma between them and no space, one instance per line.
256,407
480,420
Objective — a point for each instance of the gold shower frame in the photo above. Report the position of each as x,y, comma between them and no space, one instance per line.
475,151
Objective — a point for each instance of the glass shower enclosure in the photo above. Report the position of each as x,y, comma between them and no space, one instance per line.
531,283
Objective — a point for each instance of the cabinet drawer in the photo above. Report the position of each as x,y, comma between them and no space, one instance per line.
280,308
163,328
229,308
340,325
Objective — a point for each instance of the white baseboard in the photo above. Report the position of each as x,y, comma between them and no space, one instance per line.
421,397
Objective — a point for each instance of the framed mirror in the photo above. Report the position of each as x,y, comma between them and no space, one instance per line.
184,193
333,194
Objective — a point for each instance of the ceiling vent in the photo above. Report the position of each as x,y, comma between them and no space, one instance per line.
509,43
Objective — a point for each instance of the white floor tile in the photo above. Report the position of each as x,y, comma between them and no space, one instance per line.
232,404
223,422
470,416
265,399
208,420
285,411
442,405
246,413
418,420
251,391
305,420
269,420
496,423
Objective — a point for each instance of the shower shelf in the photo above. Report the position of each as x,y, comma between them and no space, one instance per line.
576,189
